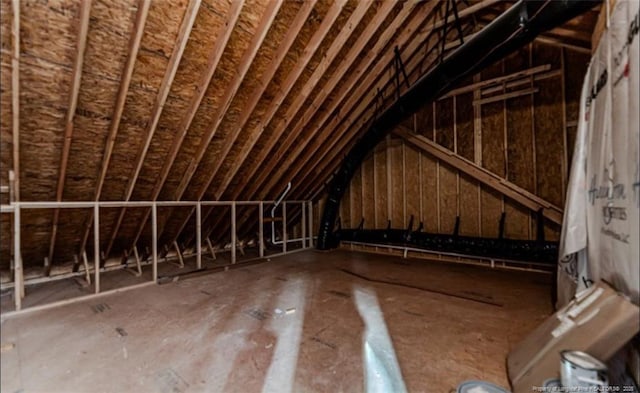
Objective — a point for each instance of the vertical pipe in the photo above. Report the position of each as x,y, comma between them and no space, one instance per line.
154,240
233,232
18,257
261,229
199,236
96,245
284,227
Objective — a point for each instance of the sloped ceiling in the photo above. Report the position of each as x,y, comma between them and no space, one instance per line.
199,100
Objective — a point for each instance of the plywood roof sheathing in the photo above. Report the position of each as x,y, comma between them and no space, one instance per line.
85,12
176,56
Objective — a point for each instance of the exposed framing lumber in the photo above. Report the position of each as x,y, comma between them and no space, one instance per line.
245,63
15,127
227,98
309,51
267,76
306,133
506,188
380,68
85,11
134,46
416,46
357,99
330,55
212,65
506,96
497,81
165,87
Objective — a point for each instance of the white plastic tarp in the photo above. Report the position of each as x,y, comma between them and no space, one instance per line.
600,231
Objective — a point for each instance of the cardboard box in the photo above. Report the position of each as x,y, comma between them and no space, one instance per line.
598,321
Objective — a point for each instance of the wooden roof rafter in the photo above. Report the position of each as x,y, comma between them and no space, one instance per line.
305,138
268,74
125,81
380,68
245,63
85,12
331,53
386,36
170,73
227,97
309,51
212,65
359,98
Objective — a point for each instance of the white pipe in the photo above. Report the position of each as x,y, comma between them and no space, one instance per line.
261,230
233,233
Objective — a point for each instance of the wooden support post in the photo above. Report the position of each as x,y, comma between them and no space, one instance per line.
154,240
18,258
311,223
284,227
261,229
47,267
198,236
233,232
87,271
213,253
96,245
304,225
179,254
138,265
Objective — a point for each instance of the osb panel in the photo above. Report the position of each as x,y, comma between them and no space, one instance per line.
412,184
429,194
491,205
345,209
519,142
48,30
493,138
206,114
469,206
448,198
368,201
296,91
42,111
549,149
444,123
355,191
516,221
424,121
254,128
6,124
546,54
207,27
575,68
397,184
158,40
517,61
381,186
464,126
109,32
264,60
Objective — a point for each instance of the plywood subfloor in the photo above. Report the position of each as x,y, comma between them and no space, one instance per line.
296,323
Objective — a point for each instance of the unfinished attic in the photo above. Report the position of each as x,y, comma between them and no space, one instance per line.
319,196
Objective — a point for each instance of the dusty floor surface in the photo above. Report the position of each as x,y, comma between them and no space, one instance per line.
305,322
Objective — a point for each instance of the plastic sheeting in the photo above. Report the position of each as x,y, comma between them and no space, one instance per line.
600,231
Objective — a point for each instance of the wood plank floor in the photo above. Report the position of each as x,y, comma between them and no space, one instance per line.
305,322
